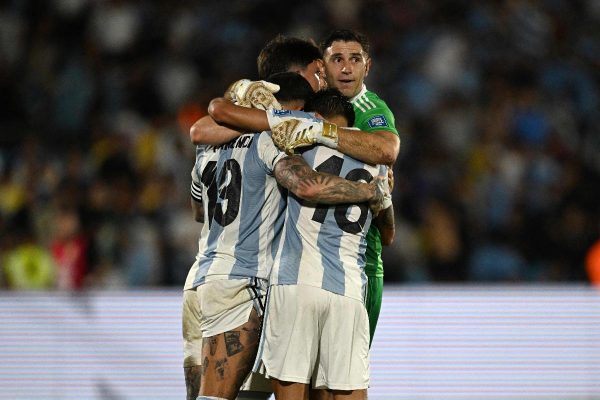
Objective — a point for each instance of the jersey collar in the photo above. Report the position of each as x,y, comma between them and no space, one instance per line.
362,92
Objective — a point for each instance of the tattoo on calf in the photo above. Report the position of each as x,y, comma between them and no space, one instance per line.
233,345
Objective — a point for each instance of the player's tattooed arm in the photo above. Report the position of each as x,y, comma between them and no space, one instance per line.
295,174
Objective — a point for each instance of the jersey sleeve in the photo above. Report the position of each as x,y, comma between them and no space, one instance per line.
374,116
196,186
196,191
268,153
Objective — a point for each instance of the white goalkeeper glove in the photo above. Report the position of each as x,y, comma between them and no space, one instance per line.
290,132
255,94
383,198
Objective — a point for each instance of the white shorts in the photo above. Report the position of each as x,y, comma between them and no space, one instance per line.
192,343
192,333
311,333
226,304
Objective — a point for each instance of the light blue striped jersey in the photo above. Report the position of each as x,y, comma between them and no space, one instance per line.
196,194
324,246
243,208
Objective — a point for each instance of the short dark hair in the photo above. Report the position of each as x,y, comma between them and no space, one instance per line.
330,103
292,86
282,53
345,35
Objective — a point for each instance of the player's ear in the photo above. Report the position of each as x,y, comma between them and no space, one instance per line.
367,66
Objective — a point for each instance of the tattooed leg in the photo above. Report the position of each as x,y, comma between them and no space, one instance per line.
227,359
192,381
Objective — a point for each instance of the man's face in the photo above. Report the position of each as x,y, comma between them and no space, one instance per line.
346,66
314,73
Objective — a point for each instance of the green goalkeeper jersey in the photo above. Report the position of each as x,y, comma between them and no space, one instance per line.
372,114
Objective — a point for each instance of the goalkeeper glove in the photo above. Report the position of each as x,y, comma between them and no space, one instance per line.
290,133
255,94
383,198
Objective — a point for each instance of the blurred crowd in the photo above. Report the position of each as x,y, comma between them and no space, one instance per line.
497,104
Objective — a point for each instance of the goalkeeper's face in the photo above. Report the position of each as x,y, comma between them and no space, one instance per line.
346,65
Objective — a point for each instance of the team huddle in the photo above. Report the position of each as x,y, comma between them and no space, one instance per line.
292,181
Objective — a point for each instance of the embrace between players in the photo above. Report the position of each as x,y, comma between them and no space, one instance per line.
288,278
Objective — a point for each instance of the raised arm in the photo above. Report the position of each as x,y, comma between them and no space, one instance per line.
295,174
247,119
291,131
228,121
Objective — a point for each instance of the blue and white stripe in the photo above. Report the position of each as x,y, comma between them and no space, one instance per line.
242,248
322,254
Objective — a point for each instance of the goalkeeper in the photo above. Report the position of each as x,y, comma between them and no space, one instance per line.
347,63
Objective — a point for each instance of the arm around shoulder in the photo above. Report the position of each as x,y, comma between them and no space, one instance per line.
295,174
207,131
379,147
247,119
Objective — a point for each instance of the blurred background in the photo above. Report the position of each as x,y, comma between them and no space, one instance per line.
488,283
497,105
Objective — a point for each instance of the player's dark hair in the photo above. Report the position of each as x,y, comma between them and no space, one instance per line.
330,103
345,35
283,53
292,86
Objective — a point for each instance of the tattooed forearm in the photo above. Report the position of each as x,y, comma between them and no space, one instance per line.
294,174
327,189
289,170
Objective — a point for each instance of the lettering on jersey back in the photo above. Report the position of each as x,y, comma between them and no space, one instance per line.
244,141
